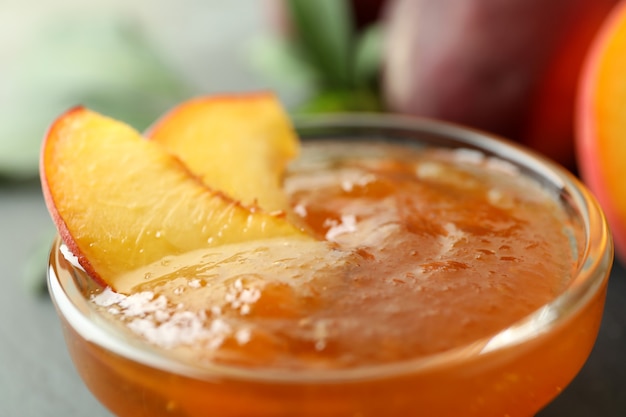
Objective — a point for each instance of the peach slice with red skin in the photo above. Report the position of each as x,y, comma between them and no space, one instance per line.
228,140
121,202
601,122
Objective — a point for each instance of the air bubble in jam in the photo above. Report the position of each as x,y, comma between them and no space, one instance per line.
417,253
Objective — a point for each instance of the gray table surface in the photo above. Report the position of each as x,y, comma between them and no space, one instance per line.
37,378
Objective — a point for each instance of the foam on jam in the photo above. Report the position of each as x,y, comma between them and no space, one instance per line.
419,251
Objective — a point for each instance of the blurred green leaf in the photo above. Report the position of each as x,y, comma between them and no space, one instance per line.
333,101
281,61
104,63
326,57
368,55
18,158
325,31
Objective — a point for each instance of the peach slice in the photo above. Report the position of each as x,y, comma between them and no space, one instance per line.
601,122
121,202
229,140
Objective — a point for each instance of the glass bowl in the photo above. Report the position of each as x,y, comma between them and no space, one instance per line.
514,373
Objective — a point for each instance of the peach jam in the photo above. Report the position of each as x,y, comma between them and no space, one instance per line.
416,253
447,277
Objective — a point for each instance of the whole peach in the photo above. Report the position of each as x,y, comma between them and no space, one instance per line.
507,67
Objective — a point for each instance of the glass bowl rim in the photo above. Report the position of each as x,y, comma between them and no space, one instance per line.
596,259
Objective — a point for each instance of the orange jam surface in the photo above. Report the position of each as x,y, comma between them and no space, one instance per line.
418,252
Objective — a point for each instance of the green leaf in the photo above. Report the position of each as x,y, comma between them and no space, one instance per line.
334,101
325,30
19,155
104,63
368,56
283,63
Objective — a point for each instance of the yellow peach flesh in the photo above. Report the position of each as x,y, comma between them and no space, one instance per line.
121,202
239,144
